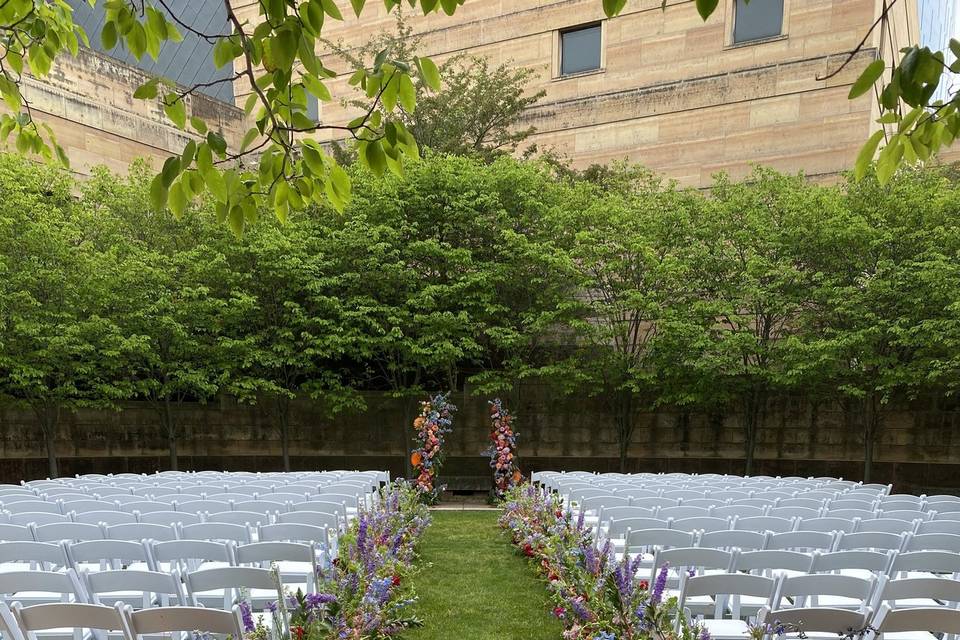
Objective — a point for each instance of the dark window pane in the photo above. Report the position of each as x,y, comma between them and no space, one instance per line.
580,50
757,19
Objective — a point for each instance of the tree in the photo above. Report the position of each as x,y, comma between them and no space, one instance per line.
57,351
275,54
477,111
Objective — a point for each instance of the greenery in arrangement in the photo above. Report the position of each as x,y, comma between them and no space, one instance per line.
365,592
431,427
279,53
595,597
488,274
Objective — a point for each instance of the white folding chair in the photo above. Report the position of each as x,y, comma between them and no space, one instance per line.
802,541
933,542
703,523
38,519
885,525
918,592
869,540
926,564
217,531
727,590
296,562
15,533
826,524
728,540
762,524
815,623
857,563
70,531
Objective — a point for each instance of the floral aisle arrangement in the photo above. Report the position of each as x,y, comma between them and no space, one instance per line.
502,451
363,593
432,425
595,597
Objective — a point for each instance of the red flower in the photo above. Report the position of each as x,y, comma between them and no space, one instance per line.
528,550
299,632
559,513
644,585
396,581
559,611
553,577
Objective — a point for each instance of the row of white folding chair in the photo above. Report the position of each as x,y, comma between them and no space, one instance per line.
291,524
161,555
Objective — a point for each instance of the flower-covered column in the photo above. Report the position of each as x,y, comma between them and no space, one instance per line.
502,451
433,423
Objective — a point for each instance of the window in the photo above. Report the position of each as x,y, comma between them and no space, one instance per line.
757,19
580,50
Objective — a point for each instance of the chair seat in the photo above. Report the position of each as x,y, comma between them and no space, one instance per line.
835,602
909,603
909,635
722,629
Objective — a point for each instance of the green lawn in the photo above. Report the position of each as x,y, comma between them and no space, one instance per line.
473,586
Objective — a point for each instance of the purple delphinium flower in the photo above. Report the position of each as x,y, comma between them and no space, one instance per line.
704,634
246,615
656,595
272,607
315,600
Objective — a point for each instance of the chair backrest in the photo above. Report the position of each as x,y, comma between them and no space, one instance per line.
903,514
930,619
762,524
745,540
943,591
654,503
942,562
169,518
869,540
231,580
684,494
826,524
260,506
68,615
64,584
619,513
885,525
82,506
738,511
114,553
691,559
726,584
682,512
47,554
78,531
818,619
805,502
200,619
191,554
852,503
648,538
38,518
767,562
141,531
249,518
793,512
283,497
105,517
34,505
15,533
876,561
202,506
943,506
703,523
933,542
850,514
143,507
263,553
620,526
110,586
801,540
804,589
292,532
216,531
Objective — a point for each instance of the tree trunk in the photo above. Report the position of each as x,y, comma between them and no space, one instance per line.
283,417
625,425
51,418
171,427
870,423
751,420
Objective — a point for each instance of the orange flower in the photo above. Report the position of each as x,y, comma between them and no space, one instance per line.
416,458
418,422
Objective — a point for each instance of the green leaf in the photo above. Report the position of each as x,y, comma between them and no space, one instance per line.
429,73
317,88
248,138
217,142
177,200
108,35
867,79
704,7
449,6
198,125
158,193
889,159
330,8
613,7
375,158
865,157
357,6
408,94
176,110
146,91
223,52
189,152
236,220
170,171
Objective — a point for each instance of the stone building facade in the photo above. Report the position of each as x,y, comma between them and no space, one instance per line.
661,87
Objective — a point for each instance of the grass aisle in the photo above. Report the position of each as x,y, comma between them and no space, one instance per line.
473,586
